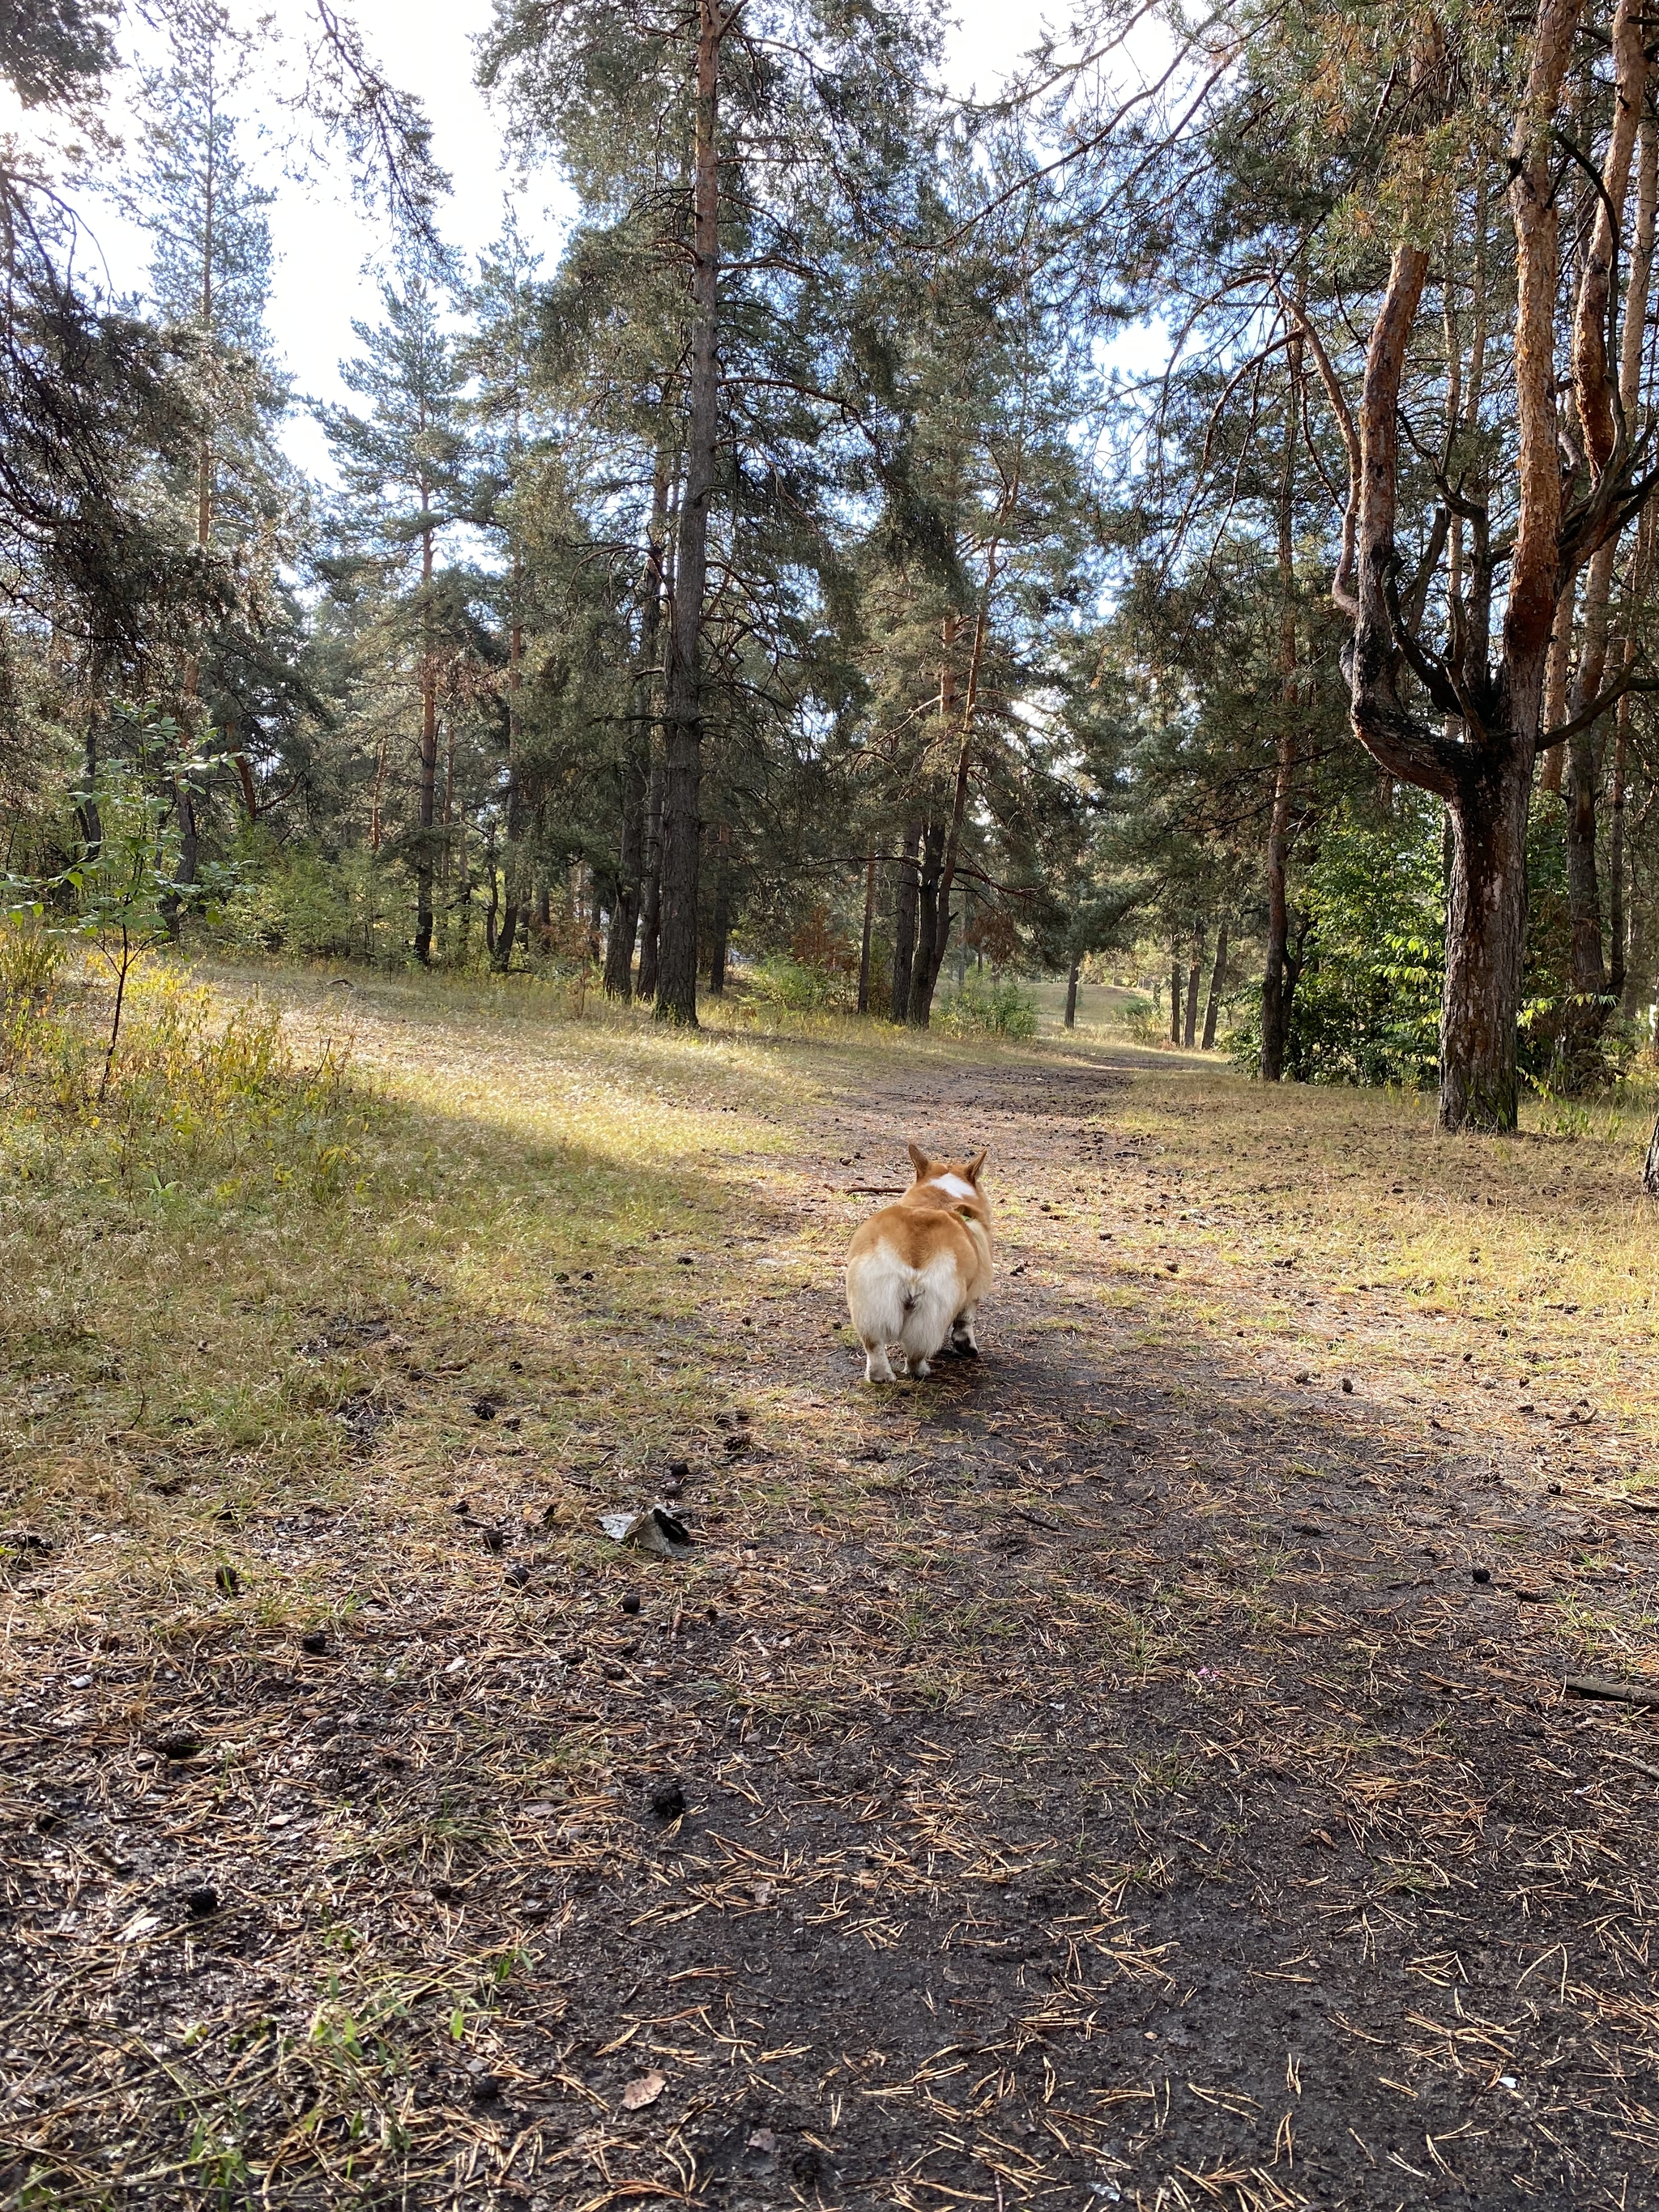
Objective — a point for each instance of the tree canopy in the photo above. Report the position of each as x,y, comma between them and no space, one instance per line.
1189,513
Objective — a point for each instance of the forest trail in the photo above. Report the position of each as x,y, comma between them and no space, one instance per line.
1132,1768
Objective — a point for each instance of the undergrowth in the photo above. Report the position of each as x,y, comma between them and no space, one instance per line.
180,1088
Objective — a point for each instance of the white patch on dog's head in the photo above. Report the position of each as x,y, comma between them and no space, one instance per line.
955,1185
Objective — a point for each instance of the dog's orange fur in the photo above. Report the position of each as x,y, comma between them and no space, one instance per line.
917,1271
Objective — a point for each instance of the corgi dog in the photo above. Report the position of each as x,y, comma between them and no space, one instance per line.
917,1271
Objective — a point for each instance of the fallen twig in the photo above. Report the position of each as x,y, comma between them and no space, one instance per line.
1626,1693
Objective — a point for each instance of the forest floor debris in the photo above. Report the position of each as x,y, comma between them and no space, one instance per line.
1094,1775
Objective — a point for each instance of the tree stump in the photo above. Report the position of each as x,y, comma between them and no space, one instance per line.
1650,1165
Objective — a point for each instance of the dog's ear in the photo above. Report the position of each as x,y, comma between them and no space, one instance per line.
971,1168
918,1160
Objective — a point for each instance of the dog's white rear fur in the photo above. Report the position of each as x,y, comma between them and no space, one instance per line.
917,1271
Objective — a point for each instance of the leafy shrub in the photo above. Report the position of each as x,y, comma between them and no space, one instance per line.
997,1008
31,956
189,1092
1367,1004
1143,1022
801,988
293,903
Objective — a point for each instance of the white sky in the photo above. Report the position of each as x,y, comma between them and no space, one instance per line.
327,247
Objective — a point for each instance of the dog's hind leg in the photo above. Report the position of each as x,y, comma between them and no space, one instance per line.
963,1342
877,1368
928,1319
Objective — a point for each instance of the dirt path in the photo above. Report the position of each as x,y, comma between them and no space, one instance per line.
1106,1774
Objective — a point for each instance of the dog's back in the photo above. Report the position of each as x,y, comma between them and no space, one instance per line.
917,1271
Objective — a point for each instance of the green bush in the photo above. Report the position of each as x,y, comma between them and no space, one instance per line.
289,901
1367,1005
997,1008
783,981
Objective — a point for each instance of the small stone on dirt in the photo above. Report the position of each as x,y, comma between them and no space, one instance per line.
484,1408
668,1800
180,1746
516,1575
1480,1574
494,1539
1347,1386
315,1641
228,1580
631,1603
763,2141
201,1902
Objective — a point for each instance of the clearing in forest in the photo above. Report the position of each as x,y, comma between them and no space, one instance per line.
1134,1769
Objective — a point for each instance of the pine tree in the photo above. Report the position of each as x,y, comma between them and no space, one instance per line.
210,281
500,354
405,475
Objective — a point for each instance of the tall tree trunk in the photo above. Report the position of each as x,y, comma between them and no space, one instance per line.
1175,994
429,749
650,886
1587,968
445,905
720,921
636,771
1589,1001
933,939
1616,925
1485,943
622,934
1621,916
1558,669
904,919
463,856
932,924
87,809
517,888
1275,1000
677,972
376,797
1071,994
1189,1037
1218,983
189,839
864,942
